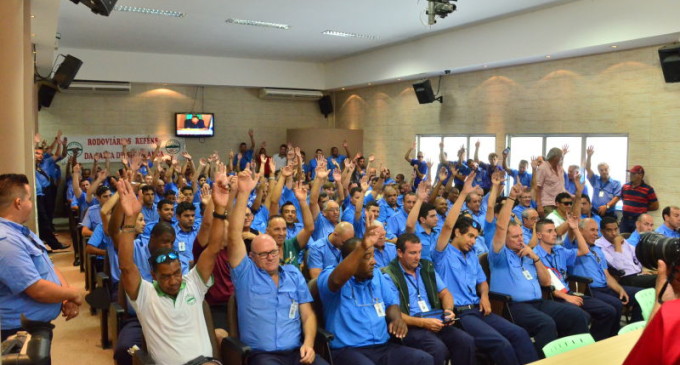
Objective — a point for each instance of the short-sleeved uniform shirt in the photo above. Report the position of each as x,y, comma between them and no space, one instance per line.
461,273
513,275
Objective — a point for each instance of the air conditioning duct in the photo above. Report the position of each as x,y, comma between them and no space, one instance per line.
98,87
290,94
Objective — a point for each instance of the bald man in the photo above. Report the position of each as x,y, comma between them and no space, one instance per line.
326,251
264,290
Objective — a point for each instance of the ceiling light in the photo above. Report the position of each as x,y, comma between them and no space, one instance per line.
147,11
348,35
32,16
258,23
615,46
343,88
547,56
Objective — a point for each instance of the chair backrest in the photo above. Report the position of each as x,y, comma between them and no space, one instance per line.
211,331
484,262
565,344
646,298
318,308
632,327
232,317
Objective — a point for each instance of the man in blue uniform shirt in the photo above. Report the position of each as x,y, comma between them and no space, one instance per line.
517,271
326,251
388,204
362,311
606,191
459,267
421,290
148,206
29,282
423,220
273,300
671,222
396,225
643,224
384,252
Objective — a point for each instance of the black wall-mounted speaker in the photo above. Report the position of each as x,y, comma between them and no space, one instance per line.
326,105
669,56
67,71
424,92
101,7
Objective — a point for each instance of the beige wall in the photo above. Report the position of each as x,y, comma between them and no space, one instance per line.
620,92
149,109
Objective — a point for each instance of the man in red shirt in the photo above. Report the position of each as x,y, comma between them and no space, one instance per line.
637,197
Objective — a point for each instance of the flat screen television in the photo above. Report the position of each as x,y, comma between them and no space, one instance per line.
194,124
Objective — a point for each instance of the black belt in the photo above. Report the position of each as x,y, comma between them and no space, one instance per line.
463,308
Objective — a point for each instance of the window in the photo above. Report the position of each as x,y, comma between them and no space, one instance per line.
429,145
612,149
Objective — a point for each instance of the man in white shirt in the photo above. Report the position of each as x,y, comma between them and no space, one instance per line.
170,310
281,160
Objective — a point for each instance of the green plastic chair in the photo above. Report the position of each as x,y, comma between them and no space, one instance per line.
568,343
646,300
632,327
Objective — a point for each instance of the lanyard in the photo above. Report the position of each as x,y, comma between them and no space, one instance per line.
414,283
26,233
370,289
552,260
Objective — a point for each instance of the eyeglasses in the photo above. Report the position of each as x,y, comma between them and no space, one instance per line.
566,203
272,253
167,257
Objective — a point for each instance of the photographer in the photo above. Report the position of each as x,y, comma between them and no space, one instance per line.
658,344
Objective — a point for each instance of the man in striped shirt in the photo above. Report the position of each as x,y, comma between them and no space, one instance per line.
637,197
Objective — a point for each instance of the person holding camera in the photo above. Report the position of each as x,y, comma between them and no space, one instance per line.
658,343
29,282
423,295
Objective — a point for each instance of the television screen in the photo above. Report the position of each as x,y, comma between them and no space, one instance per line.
194,124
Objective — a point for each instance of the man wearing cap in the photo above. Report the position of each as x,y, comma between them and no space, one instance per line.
637,197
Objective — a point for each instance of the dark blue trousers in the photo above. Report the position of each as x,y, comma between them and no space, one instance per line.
546,320
387,354
605,315
449,343
611,297
505,342
131,334
291,357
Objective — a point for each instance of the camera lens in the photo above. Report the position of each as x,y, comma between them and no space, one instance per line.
654,246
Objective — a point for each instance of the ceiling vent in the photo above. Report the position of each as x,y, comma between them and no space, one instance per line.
290,94
98,87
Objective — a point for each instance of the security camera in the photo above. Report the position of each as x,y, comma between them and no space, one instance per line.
440,8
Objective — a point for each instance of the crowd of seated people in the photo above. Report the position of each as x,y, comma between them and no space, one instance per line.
404,270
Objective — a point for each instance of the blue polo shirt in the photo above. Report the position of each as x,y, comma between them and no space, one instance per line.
527,233
92,217
604,192
386,255
570,187
480,246
141,257
350,313
489,231
508,277
461,273
422,168
429,241
386,211
523,178
416,289
322,254
185,240
102,241
260,219
396,225
150,214
245,158
664,230
322,227
634,238
23,261
293,230
264,308
348,214
149,226
559,261
592,266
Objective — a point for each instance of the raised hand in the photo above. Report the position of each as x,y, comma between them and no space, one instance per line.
498,177
345,144
300,191
97,156
321,170
441,145
467,186
272,165
76,168
429,163
202,162
251,133
565,149
477,144
186,155
534,162
101,175
37,138
364,183
423,190
590,150
263,158
239,156
154,146
246,181
288,170
205,194
516,191
337,175
461,151
128,200
221,189
231,155
371,158
136,163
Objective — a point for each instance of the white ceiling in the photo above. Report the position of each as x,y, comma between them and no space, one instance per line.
203,31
